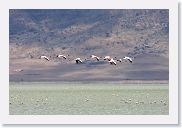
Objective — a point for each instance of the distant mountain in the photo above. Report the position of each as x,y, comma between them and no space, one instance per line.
140,34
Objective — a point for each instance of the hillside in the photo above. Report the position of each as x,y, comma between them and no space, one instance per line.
140,34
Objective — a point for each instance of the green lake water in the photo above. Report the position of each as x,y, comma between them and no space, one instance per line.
68,98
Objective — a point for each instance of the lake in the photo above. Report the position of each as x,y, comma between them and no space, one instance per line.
92,98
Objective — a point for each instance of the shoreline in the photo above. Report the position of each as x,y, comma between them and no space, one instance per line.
99,81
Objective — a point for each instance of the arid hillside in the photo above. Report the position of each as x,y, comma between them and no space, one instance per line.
140,34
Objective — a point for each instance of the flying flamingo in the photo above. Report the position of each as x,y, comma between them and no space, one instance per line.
107,58
78,60
112,61
128,58
61,56
44,57
95,57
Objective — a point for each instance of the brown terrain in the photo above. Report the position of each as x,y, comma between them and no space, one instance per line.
140,34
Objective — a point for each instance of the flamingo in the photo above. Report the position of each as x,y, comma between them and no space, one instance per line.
107,58
128,58
44,57
95,57
112,62
78,60
61,56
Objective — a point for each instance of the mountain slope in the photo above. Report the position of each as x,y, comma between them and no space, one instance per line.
141,34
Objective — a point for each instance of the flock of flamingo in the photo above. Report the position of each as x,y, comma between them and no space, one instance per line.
112,61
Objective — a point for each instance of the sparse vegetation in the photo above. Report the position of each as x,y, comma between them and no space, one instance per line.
81,33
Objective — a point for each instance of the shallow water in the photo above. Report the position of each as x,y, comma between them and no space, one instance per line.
68,98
